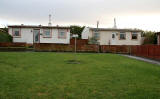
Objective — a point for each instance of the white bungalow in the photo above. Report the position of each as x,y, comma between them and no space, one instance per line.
39,34
114,36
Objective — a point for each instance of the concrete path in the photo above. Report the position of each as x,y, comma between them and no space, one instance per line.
142,59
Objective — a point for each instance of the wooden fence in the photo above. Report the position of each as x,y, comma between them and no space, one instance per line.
65,47
6,47
13,44
115,49
79,42
148,51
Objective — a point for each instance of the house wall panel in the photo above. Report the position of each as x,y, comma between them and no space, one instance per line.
55,39
26,36
158,39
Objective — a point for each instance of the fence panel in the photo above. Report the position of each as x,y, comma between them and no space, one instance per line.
148,51
12,44
65,48
79,42
115,49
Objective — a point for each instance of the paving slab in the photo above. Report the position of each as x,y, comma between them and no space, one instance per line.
143,59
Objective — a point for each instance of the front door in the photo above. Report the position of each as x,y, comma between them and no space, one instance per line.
36,35
113,41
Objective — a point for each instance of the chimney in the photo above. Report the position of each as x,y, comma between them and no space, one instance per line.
49,24
97,24
115,25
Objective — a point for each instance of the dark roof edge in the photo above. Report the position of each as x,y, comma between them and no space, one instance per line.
37,26
114,29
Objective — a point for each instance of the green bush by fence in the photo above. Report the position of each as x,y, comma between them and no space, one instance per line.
5,37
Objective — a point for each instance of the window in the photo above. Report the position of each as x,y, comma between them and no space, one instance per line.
113,36
96,35
62,34
47,33
16,32
122,36
134,36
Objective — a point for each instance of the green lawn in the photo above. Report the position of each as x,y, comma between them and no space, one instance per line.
99,76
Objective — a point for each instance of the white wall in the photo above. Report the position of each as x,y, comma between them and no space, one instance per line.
106,38
27,36
55,39
85,33
158,39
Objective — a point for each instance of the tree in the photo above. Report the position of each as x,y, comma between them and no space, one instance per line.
76,30
150,37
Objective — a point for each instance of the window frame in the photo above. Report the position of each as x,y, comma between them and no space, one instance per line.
132,35
97,38
113,36
62,30
44,36
13,32
120,35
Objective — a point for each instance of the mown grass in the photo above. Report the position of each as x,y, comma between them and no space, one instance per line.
99,76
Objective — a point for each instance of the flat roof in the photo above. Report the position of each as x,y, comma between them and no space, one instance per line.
116,29
38,26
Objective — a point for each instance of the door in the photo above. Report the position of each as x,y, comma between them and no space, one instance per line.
36,35
113,41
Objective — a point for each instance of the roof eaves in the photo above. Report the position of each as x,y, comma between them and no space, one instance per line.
39,26
113,29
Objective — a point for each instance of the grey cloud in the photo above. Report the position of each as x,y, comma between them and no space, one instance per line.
84,11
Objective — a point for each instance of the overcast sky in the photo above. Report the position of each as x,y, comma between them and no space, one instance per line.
142,14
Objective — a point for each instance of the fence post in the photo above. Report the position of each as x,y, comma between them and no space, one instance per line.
148,51
154,52
129,50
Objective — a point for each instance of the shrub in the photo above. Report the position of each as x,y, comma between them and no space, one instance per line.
5,37
150,37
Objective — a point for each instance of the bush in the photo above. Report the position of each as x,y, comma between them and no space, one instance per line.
150,37
5,37
76,30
